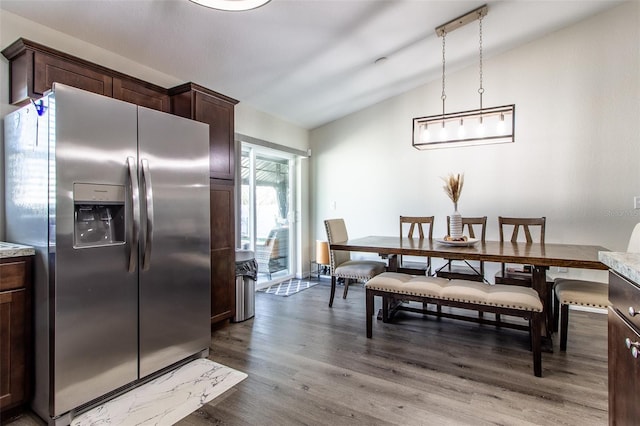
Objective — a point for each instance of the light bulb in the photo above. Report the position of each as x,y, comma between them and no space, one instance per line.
481,128
426,135
461,130
500,125
443,132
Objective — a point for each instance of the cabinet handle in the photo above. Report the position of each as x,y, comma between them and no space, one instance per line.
633,346
632,312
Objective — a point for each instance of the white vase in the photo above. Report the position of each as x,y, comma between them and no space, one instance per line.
455,224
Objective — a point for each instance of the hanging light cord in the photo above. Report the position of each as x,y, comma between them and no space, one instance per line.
481,89
444,96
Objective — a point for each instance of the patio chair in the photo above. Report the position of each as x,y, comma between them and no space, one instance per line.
273,255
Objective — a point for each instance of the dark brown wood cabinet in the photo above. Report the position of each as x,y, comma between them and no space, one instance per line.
142,94
49,68
34,68
15,332
201,104
624,351
222,250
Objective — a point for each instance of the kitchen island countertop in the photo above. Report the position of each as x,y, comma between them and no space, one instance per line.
626,264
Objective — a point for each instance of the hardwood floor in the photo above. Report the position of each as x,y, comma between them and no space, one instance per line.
311,365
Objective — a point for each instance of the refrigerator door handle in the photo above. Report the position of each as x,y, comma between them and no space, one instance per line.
135,210
148,190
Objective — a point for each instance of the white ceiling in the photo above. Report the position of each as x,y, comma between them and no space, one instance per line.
305,61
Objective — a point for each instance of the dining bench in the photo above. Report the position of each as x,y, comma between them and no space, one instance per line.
523,302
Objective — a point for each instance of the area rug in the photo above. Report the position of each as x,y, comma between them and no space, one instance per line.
166,399
289,288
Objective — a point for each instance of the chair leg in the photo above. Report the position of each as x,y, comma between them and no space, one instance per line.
564,326
333,290
556,315
550,304
386,301
497,320
346,288
369,309
536,321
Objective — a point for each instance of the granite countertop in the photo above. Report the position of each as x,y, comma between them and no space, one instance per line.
15,250
626,264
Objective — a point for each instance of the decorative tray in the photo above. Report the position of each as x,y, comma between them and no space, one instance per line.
469,242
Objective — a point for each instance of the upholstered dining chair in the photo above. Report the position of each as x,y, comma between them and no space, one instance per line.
463,270
342,267
574,292
415,225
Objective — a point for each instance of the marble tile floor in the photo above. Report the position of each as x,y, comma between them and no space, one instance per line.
164,400
167,399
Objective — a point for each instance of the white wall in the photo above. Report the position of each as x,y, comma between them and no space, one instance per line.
575,159
258,124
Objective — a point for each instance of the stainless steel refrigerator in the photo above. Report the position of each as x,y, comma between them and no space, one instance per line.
115,198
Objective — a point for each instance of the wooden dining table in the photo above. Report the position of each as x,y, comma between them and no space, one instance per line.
539,256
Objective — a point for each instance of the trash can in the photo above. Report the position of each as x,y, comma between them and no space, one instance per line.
246,276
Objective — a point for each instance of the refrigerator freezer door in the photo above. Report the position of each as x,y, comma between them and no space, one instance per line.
174,241
95,297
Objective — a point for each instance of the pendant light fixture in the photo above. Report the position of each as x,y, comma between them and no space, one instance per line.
473,127
232,5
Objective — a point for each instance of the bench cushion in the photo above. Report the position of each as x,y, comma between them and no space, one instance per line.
507,296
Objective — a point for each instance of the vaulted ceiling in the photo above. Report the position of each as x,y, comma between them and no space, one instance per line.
305,61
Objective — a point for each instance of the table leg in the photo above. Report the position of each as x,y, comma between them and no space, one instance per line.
392,267
393,263
539,283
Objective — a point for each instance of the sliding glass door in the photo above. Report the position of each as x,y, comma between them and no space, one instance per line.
266,201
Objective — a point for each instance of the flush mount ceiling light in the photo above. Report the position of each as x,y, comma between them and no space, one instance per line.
232,5
480,126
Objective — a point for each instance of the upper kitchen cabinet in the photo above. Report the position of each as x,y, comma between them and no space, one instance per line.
48,69
33,68
141,93
199,103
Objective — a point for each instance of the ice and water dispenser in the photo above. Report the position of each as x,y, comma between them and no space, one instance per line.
99,212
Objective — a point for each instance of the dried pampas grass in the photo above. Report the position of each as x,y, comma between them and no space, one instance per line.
453,186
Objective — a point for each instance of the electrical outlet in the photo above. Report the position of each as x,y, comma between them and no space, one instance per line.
563,269
636,202
333,205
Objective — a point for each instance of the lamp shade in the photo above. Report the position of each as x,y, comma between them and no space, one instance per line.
322,252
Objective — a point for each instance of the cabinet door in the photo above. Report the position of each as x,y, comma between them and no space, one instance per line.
222,251
12,342
140,94
49,69
624,373
219,115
